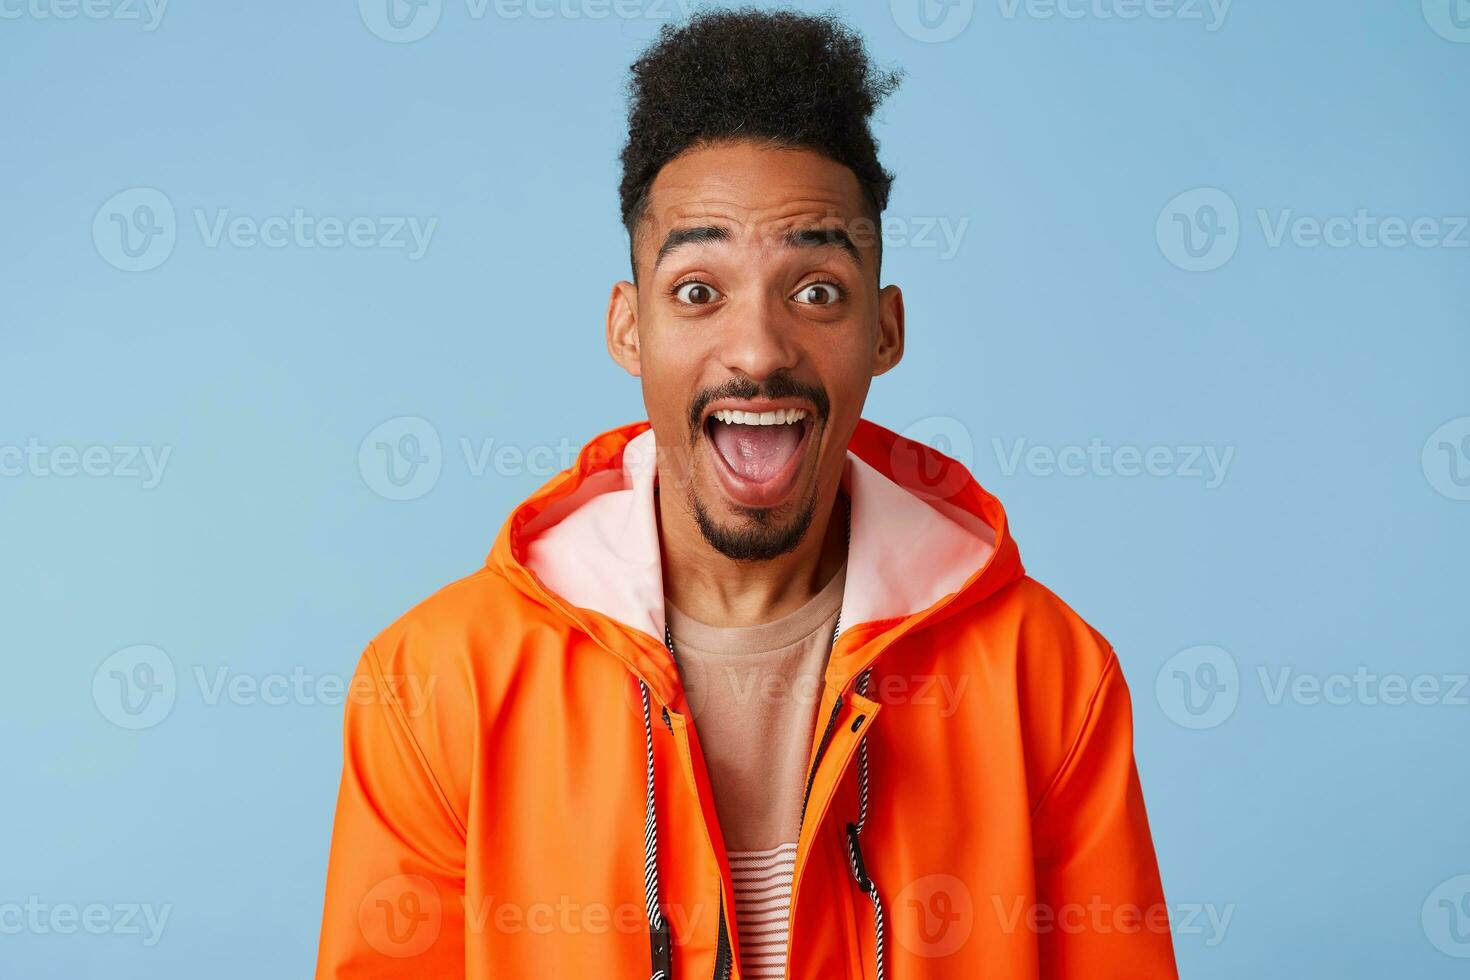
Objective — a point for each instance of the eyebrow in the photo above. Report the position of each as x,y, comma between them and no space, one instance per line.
820,237
697,235
795,238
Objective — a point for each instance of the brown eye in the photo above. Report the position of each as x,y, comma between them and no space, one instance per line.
818,294
696,293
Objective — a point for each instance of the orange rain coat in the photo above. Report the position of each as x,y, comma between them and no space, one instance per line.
491,816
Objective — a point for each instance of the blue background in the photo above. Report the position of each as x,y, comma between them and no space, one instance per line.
1329,545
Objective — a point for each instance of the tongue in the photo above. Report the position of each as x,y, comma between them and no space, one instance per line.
756,452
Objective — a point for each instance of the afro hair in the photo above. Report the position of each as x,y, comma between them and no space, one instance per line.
779,77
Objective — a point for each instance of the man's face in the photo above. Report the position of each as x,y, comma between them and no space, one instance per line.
756,327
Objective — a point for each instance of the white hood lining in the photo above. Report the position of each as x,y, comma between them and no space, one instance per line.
599,548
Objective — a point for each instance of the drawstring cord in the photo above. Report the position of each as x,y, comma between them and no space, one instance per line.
854,851
658,928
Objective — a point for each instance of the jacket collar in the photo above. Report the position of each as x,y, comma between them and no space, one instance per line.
926,538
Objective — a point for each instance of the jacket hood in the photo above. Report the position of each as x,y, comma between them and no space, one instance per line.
926,542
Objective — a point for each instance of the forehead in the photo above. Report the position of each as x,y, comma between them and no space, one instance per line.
753,189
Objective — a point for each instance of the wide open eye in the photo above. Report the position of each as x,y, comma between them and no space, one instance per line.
695,293
818,294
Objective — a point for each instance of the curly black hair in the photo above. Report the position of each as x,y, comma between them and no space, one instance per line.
780,77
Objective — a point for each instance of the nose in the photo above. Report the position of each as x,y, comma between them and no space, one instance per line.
759,340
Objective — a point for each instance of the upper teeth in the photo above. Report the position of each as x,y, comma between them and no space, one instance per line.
780,416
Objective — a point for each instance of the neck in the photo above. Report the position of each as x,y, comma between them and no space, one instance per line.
720,591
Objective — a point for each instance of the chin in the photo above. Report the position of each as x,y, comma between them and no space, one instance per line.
745,533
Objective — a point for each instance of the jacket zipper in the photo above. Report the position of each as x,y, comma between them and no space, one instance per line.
811,778
722,946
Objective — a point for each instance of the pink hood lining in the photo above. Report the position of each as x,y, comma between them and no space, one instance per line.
599,547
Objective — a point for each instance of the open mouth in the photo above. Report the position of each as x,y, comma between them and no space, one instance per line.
758,454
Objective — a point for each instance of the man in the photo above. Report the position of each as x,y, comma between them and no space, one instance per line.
757,688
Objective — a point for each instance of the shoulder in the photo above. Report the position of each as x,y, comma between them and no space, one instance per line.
450,658
479,614
1027,627
435,675
1055,636
1049,666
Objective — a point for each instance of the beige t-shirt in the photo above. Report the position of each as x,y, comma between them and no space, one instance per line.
753,693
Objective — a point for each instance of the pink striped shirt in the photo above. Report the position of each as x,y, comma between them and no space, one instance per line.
762,881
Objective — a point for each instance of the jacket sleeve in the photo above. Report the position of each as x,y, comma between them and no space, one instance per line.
1101,911
395,876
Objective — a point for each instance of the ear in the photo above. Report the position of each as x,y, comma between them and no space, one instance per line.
890,329
622,327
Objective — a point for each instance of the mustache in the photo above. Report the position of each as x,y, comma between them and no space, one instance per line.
779,385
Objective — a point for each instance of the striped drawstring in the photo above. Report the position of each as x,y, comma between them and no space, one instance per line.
854,852
658,929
